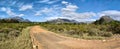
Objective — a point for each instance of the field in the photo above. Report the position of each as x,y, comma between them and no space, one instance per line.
16,35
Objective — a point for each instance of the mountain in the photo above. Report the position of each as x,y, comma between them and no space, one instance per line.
20,19
13,20
60,20
104,19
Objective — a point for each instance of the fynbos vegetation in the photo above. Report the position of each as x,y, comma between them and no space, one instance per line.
15,36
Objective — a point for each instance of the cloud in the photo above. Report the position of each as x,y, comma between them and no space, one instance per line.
86,20
3,9
10,13
53,11
75,15
43,11
20,15
70,8
54,17
113,13
110,13
70,12
38,13
64,2
48,1
26,7
43,1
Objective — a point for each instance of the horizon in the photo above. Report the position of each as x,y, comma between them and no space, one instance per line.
43,10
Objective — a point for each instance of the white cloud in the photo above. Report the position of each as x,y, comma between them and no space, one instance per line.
20,15
25,7
70,12
10,13
3,9
48,1
54,17
38,13
43,11
47,10
64,2
75,15
113,13
53,11
86,20
70,8
19,4
43,1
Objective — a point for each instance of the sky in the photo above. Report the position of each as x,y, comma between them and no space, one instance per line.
43,10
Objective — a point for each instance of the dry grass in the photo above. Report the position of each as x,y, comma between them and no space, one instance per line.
21,42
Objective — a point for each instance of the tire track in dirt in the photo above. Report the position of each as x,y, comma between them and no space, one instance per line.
43,39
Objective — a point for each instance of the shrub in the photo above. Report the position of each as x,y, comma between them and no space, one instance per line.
93,32
107,34
83,30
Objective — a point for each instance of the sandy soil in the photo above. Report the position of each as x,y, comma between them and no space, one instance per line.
43,39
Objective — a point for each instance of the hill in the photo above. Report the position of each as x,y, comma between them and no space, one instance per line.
60,20
14,20
104,19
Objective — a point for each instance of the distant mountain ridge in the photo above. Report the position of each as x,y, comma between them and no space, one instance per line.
61,20
13,20
20,19
103,19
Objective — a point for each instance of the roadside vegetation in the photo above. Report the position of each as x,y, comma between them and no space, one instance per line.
85,31
15,36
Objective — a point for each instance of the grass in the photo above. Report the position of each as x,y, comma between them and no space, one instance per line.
21,42
15,35
11,39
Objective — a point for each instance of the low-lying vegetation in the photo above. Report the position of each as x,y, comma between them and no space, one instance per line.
15,36
86,31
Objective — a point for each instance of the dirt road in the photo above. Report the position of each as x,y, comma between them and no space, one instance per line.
43,39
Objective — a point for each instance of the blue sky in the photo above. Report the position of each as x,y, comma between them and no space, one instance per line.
43,10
